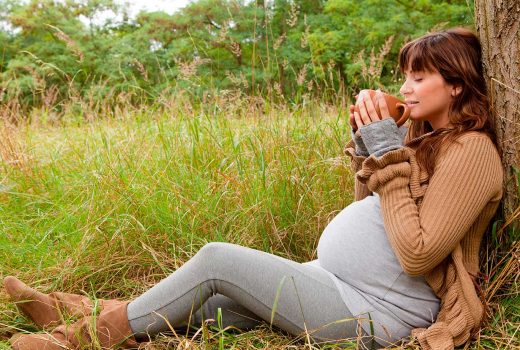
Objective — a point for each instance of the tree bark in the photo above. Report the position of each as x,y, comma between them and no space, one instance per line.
498,27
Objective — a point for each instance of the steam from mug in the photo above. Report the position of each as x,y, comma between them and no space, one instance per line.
398,110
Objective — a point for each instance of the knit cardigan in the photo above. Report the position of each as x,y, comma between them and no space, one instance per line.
435,225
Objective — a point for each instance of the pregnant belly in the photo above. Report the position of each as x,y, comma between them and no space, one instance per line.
355,248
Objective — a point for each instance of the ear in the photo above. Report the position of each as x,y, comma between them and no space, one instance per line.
456,90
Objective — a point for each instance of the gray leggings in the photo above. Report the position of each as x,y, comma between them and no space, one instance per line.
247,285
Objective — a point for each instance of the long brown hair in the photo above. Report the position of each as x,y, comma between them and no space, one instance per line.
455,54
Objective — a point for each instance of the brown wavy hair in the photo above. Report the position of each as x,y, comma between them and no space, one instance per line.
455,54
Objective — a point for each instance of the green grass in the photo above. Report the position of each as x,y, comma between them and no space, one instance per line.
172,184
111,207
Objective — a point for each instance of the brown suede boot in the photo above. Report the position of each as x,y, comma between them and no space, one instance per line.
47,310
43,341
110,330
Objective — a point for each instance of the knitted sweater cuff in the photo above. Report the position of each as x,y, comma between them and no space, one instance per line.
436,337
356,160
376,172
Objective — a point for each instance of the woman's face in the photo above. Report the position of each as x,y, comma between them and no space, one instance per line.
428,96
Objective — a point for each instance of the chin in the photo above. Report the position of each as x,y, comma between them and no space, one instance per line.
417,118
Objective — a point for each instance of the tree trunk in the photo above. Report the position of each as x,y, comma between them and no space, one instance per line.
498,26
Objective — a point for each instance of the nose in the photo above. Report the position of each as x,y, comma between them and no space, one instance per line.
405,88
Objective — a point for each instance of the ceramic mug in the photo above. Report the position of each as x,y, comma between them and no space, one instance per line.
397,108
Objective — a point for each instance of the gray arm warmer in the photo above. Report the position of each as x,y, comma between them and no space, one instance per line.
381,136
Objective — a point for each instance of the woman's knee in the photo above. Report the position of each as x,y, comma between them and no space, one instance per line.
215,253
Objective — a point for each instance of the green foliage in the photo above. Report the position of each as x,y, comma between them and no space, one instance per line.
59,52
364,37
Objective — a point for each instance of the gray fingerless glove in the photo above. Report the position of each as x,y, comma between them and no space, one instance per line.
382,136
361,149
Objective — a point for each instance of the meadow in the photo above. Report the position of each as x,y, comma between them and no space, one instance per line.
113,206
127,146
109,207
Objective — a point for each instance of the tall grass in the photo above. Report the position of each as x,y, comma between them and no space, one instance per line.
112,206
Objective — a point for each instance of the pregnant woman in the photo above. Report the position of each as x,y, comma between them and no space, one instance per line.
400,261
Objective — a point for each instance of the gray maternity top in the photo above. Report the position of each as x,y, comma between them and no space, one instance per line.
355,251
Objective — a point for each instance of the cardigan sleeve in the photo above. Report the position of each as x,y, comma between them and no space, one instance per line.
467,176
377,135
356,161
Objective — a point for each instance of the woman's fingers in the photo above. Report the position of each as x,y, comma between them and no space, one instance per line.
357,119
352,120
371,109
383,107
363,112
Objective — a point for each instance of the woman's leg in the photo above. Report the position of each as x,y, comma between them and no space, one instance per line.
303,298
232,313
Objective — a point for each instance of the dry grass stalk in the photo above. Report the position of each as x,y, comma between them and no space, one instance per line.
293,14
11,111
239,80
11,150
140,67
189,69
50,96
385,49
372,68
373,71
235,49
304,41
361,60
300,79
330,69
279,41
228,99
278,89
38,81
223,32
71,44
505,272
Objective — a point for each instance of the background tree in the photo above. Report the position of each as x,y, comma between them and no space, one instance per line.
364,41
498,26
59,54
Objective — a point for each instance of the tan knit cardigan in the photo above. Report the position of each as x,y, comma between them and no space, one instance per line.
435,225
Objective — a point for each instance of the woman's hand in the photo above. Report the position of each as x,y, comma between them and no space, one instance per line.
367,110
352,119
